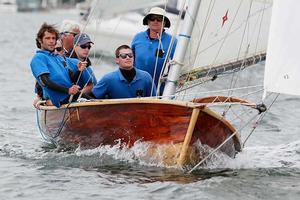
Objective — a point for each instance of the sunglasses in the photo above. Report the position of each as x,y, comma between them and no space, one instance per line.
84,46
124,55
58,48
155,17
72,33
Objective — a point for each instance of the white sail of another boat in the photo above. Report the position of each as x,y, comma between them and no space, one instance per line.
107,8
282,65
113,22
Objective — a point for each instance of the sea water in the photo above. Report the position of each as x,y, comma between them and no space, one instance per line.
268,167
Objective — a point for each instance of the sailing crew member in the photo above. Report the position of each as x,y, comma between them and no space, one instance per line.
38,89
150,47
82,46
52,71
68,30
125,82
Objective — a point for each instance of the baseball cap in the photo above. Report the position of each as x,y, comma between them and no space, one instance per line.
82,38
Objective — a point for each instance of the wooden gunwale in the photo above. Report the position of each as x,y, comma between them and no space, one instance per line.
125,101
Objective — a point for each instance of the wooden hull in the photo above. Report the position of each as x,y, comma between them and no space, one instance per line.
158,122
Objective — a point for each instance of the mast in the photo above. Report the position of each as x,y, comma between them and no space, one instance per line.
182,44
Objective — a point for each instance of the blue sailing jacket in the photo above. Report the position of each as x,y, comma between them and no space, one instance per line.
115,86
45,62
145,52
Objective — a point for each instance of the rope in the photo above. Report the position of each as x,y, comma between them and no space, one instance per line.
62,123
261,116
259,120
234,71
207,18
84,27
244,32
90,75
157,53
100,59
76,42
52,138
70,99
43,134
234,81
170,47
223,39
225,90
85,85
260,26
156,60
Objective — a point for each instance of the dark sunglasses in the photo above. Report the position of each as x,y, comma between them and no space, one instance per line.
124,55
74,34
155,17
58,48
84,46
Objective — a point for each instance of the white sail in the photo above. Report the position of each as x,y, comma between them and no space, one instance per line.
228,30
106,8
223,31
282,70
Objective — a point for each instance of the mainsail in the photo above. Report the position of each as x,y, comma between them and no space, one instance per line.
227,34
229,30
282,65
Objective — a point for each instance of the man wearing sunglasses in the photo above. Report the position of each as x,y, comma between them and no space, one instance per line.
59,48
68,30
126,82
82,46
151,46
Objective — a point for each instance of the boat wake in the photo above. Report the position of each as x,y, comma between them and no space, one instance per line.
131,166
255,157
279,156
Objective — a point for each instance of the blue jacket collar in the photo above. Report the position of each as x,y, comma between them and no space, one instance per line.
46,52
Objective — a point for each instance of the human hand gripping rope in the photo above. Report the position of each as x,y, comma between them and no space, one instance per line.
75,88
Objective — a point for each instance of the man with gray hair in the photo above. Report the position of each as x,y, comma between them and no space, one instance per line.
68,30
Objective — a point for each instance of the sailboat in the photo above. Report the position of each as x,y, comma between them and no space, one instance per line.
180,129
8,6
